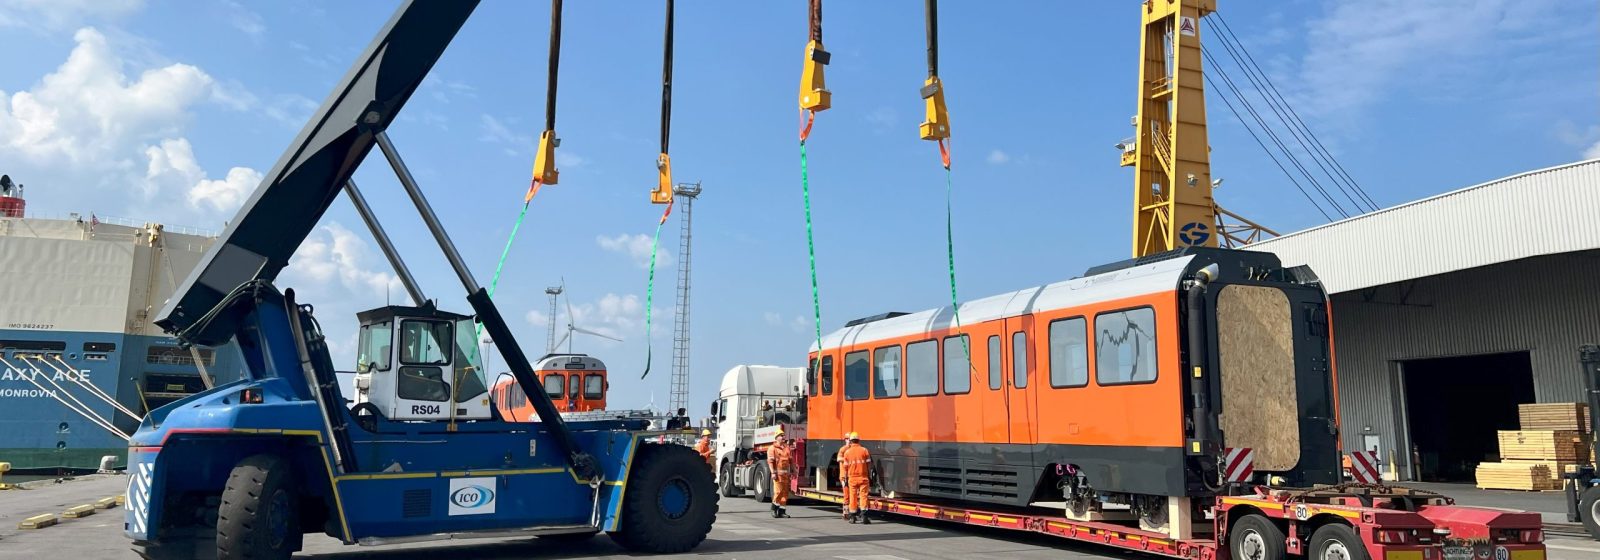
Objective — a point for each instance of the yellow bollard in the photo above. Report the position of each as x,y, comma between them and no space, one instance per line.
38,521
76,512
106,503
4,468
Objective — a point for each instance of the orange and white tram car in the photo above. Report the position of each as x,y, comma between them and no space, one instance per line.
1123,386
574,382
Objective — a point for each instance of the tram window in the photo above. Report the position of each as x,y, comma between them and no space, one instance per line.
994,362
1019,359
1125,347
922,368
886,372
827,375
594,387
811,378
856,372
957,366
1069,353
555,385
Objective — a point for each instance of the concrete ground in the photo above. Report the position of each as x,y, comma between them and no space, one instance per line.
743,530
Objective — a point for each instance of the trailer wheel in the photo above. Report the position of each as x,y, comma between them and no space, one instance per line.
1337,541
258,517
670,501
762,483
1254,537
1589,510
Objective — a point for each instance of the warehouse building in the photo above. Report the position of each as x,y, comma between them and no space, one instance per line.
1450,311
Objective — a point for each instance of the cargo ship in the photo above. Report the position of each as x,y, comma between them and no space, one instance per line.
77,295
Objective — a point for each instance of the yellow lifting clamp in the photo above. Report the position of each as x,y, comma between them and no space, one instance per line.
663,192
544,162
937,127
814,94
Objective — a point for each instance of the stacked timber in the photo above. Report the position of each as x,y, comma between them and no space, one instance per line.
1515,476
1554,440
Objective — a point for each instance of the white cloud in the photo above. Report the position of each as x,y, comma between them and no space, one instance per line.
772,318
614,315
225,195
494,131
244,20
1593,151
338,263
89,122
88,113
1361,50
997,157
62,14
636,247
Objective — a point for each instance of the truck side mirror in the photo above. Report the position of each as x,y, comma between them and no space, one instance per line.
682,412
713,408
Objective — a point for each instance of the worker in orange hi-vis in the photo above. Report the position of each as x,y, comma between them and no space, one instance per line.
780,462
703,447
844,484
855,466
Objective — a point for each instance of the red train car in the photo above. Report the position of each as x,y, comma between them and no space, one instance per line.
575,383
1124,386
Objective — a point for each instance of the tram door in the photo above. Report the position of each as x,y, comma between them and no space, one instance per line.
1019,361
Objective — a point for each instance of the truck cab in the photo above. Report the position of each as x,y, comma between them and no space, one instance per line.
753,403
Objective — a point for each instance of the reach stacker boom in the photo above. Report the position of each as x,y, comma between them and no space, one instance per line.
244,470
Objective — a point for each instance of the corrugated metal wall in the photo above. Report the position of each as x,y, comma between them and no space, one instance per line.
1547,306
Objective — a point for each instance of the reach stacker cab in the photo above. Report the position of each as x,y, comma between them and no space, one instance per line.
246,469
1583,490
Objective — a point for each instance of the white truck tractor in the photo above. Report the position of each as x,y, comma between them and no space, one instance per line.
754,403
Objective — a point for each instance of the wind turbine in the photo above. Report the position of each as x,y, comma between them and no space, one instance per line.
573,328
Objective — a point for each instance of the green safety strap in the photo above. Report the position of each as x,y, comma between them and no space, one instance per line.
495,282
650,289
950,252
811,247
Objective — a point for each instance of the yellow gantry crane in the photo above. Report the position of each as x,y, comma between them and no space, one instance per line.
1173,203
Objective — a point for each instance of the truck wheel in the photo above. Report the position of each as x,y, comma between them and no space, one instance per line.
1589,510
762,483
670,501
726,481
258,517
1254,537
1337,541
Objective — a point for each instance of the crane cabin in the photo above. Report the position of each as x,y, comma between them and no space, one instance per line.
574,382
414,362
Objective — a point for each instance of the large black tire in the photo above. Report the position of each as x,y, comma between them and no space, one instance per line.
762,483
1589,510
725,481
670,502
258,518
1254,537
1337,541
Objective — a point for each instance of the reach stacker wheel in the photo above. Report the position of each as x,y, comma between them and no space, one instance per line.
1337,541
1254,537
670,501
258,517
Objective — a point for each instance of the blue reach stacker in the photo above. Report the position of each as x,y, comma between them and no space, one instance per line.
246,469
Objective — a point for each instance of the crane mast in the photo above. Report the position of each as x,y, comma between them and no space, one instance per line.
1173,207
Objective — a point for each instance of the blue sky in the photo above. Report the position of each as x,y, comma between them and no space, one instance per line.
169,111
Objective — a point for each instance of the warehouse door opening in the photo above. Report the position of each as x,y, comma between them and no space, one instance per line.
1455,405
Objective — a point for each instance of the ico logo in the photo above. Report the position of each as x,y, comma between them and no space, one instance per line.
472,496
